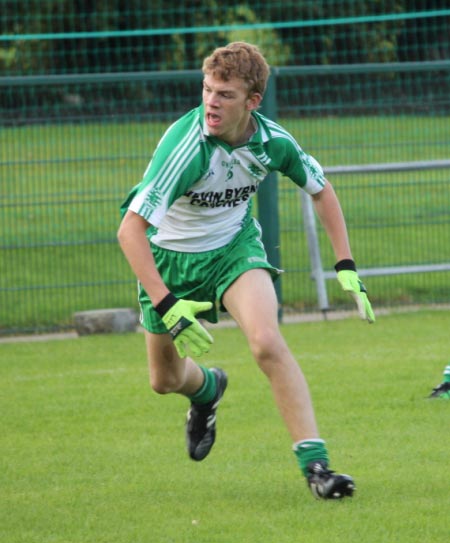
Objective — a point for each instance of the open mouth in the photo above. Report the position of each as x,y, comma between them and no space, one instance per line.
212,120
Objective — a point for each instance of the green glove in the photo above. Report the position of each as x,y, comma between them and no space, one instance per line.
350,282
179,318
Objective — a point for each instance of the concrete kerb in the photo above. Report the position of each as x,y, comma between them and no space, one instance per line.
227,322
105,321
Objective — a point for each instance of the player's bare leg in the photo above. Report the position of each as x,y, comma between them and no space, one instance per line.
252,302
168,372
204,388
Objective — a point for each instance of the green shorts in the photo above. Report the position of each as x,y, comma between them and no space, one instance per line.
207,275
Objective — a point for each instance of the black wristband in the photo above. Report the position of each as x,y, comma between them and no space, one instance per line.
346,264
165,304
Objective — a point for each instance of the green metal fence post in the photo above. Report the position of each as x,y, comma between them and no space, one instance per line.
268,197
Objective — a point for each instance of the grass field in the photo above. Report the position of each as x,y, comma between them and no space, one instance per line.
91,455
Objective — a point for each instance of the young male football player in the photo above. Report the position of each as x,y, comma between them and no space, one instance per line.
190,238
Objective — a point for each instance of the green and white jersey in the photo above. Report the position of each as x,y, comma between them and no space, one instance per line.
197,190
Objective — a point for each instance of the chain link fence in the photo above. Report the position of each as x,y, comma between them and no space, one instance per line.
84,100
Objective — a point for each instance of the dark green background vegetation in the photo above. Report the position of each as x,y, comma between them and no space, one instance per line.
399,39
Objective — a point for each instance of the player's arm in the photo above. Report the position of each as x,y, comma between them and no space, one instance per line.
331,216
136,248
330,213
178,315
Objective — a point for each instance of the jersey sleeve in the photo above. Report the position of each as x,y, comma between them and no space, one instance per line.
302,168
289,159
169,174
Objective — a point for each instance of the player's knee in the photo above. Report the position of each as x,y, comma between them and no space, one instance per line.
165,384
266,346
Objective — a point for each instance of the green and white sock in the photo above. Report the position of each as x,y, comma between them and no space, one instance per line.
310,450
447,374
207,391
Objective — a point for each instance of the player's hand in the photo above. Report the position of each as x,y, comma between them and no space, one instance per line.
350,282
185,329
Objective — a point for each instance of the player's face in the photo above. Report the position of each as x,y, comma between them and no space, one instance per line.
228,106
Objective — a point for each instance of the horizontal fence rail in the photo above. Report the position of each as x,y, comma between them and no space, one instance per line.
318,274
182,75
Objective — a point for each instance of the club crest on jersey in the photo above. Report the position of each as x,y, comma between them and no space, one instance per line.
230,165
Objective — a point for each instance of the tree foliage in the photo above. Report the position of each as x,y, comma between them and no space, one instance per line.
173,43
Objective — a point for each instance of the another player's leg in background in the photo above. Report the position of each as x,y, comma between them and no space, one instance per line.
442,391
